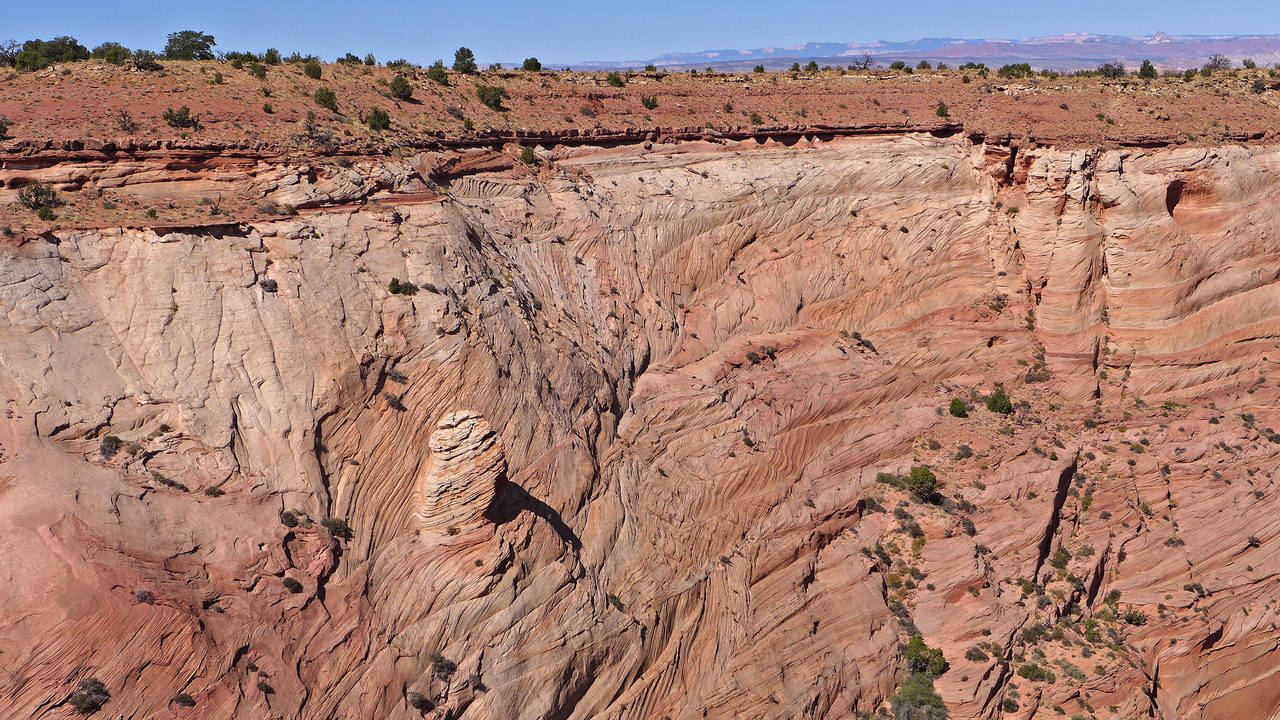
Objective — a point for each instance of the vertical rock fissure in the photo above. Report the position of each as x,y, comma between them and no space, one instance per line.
1055,516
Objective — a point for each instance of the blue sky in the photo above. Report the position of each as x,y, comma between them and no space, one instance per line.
568,31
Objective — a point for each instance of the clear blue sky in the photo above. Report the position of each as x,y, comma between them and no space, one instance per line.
569,31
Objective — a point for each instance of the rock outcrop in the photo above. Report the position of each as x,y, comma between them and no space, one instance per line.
466,465
235,464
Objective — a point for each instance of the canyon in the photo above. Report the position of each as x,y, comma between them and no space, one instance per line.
620,432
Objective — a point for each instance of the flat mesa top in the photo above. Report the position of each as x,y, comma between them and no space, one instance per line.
96,101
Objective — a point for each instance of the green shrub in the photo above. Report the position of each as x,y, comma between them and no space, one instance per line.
180,118
998,401
378,119
337,527
756,119
292,585
401,287
811,66
112,52
649,101
1147,71
758,69
614,79
89,697
40,54
420,702
325,98
917,700
1111,70
1015,70
442,665
464,61
311,69
146,60
271,56
976,654
1135,617
183,700
258,70
923,484
1036,673
527,156
189,45
531,64
921,658
942,110
1060,558
437,74
400,88
37,195
4,127
959,408
491,95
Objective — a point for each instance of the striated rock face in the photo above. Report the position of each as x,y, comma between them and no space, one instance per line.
464,471
619,455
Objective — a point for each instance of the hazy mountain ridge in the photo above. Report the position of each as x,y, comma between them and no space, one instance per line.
1066,51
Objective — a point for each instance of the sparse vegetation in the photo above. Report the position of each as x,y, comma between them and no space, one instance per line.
326,98
464,61
491,96
400,88
378,119
922,483
89,696
1111,70
180,118
401,287
998,401
419,702
38,196
189,45
337,527
437,74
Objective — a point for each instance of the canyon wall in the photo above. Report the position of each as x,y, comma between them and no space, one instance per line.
611,449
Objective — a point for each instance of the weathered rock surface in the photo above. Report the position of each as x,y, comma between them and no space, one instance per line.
617,456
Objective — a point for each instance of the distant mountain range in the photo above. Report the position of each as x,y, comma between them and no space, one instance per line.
1071,51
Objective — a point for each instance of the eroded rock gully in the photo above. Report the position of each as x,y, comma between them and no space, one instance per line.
616,456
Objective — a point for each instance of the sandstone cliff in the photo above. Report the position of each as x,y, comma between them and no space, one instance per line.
612,448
